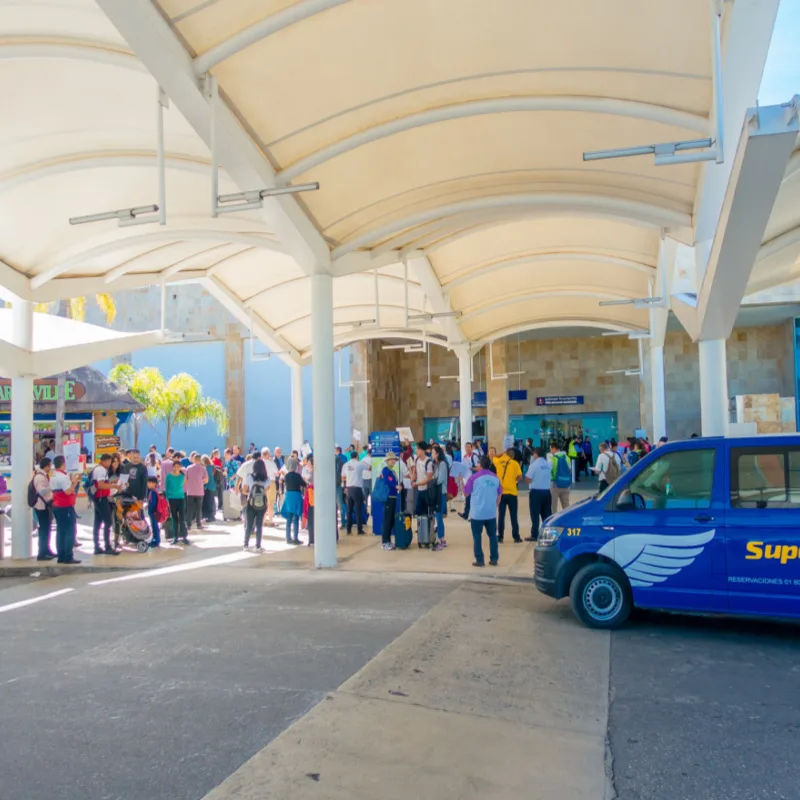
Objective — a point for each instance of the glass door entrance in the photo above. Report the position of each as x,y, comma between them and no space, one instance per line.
544,429
559,429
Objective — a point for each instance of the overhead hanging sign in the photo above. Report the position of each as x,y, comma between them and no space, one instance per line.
45,390
560,400
517,394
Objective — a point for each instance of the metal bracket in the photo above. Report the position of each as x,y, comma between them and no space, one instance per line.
347,384
162,102
237,201
669,152
491,368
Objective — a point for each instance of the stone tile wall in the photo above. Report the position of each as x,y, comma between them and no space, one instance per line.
497,405
234,383
760,360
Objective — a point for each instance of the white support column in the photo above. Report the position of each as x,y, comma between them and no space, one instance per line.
658,389
21,434
713,387
297,406
465,395
323,393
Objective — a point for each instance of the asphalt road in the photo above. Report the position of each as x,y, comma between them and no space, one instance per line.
705,709
159,689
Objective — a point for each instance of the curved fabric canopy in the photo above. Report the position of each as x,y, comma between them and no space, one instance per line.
447,139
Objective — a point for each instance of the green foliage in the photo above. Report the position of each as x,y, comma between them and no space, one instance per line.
75,307
177,401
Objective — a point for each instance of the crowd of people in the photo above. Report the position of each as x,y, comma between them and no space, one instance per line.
490,484
174,492
177,492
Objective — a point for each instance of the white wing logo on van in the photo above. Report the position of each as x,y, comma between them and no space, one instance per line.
648,558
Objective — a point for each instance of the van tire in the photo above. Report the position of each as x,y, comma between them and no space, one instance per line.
601,596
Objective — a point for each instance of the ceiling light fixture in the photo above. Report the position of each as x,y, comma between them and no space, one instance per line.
244,201
636,302
125,216
642,334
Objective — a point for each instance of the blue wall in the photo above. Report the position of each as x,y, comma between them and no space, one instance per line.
268,420
268,412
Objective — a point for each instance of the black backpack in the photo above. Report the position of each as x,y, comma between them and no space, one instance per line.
33,495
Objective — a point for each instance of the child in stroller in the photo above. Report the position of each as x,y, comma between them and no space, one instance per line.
132,524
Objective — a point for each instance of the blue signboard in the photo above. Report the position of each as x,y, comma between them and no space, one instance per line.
561,400
383,442
517,394
479,399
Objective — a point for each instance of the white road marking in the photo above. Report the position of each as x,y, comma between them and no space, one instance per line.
229,558
23,603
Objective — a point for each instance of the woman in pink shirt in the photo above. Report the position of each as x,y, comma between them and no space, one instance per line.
195,487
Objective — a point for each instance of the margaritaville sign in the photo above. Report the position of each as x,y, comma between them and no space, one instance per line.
45,390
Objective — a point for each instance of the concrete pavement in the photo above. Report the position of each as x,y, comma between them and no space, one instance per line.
451,710
360,553
234,675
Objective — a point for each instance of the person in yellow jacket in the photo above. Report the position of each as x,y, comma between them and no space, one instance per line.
573,454
509,472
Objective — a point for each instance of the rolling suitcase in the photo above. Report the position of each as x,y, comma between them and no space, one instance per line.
424,531
403,533
364,516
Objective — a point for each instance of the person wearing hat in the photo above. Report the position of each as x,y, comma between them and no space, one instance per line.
390,506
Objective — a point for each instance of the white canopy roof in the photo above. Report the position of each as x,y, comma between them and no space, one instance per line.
59,344
449,135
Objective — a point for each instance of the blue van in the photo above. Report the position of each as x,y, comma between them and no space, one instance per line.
706,525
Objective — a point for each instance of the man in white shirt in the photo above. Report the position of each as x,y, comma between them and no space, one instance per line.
366,462
272,485
603,465
243,471
101,492
423,471
353,480
473,461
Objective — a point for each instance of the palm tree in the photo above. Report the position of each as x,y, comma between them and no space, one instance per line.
143,385
178,401
182,403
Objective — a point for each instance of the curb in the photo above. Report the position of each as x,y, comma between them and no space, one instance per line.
26,570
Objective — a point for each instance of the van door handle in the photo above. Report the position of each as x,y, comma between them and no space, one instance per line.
703,518
608,527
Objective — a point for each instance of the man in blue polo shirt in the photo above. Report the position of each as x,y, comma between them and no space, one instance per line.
484,490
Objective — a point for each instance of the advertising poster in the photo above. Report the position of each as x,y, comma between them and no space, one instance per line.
72,455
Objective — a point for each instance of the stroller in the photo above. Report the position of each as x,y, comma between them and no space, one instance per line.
131,522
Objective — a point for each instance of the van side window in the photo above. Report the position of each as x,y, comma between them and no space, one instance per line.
765,477
678,479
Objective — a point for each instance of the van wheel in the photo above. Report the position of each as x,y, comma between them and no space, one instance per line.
601,596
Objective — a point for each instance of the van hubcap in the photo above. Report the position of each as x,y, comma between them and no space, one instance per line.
602,598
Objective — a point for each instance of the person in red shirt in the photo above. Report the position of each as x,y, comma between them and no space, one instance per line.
101,492
65,492
219,475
